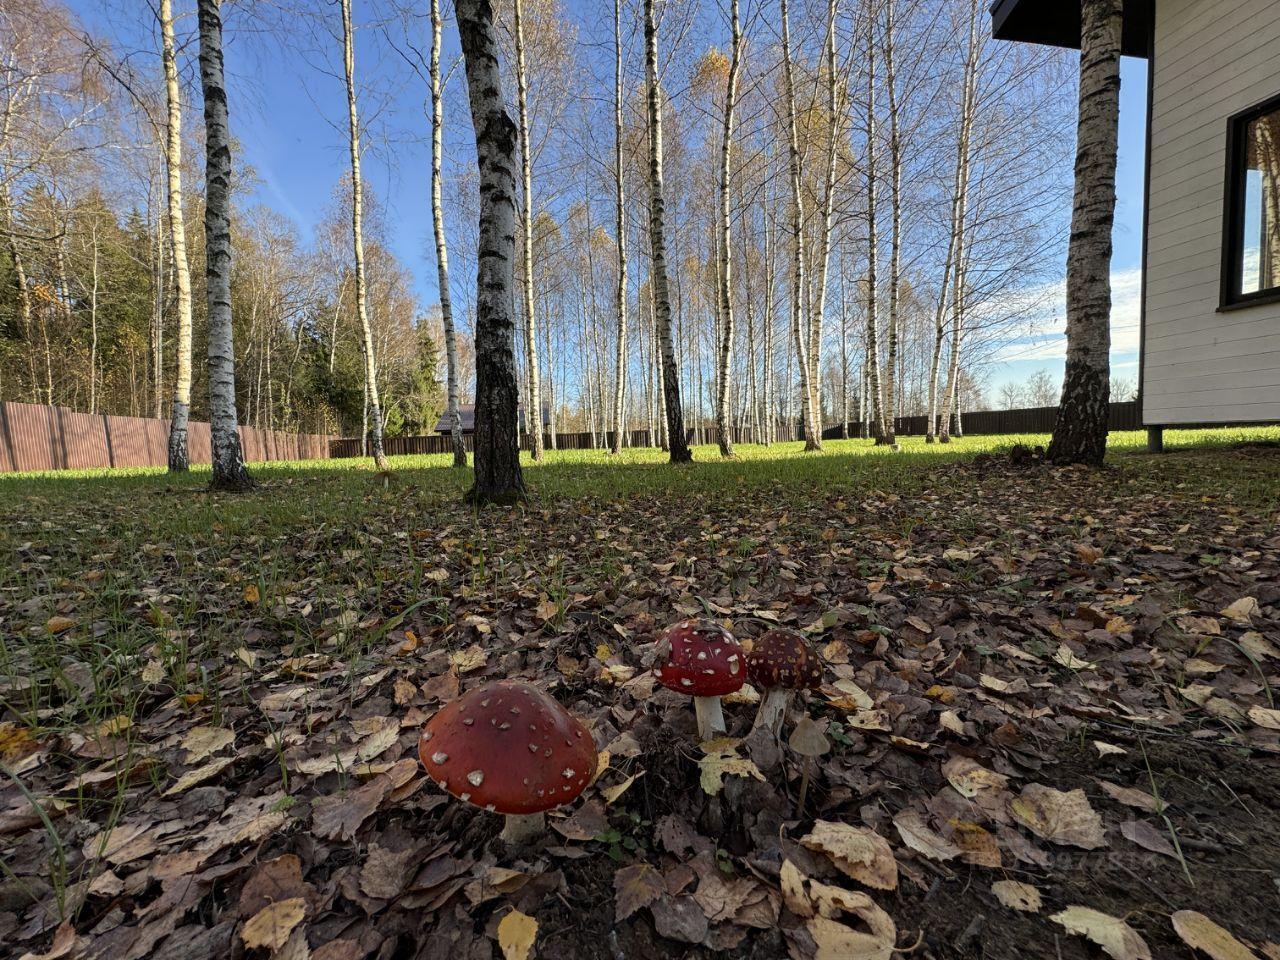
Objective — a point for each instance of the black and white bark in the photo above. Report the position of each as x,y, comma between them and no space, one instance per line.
799,333
960,226
452,416
873,315
229,471
724,429
1080,432
818,316
677,441
498,478
178,458
374,433
620,226
895,249
534,376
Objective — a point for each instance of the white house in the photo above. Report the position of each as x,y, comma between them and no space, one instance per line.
1210,350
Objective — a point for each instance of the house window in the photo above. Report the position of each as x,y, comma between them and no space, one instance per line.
1251,262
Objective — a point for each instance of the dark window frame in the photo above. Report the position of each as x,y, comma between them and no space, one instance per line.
1233,213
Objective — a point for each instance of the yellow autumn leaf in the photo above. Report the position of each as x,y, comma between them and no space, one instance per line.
516,933
251,593
59,624
270,927
1200,933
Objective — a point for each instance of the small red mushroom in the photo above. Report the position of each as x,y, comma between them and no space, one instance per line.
701,659
510,748
779,664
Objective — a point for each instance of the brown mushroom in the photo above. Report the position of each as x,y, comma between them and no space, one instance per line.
779,664
509,748
701,659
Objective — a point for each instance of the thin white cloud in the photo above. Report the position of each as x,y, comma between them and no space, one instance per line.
1047,339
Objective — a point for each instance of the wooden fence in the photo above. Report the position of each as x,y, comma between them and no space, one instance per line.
1124,416
36,437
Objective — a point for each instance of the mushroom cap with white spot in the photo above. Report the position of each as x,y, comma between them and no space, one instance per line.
506,747
783,659
702,659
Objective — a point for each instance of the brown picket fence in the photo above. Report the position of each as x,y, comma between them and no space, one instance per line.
37,437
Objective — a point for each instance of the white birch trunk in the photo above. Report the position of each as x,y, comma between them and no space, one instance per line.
526,224
620,363
812,428
498,478
229,471
725,294
677,441
442,250
1080,433
873,317
895,206
178,458
357,244
817,318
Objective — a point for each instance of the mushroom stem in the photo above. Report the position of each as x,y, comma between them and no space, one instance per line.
773,708
710,717
521,828
804,785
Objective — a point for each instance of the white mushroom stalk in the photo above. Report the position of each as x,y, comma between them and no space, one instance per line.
519,829
773,709
710,717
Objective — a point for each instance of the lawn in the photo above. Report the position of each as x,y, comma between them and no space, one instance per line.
1059,678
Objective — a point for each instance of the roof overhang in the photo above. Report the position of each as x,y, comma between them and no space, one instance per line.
1057,23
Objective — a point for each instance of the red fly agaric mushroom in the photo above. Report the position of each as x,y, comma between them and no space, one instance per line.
511,749
779,664
701,659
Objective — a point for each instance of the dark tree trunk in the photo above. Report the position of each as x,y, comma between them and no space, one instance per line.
1080,432
498,478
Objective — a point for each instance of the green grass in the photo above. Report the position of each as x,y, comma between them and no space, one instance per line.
159,566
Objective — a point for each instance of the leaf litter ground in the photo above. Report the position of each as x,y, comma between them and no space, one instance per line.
1049,696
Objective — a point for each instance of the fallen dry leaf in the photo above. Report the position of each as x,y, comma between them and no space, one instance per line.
1200,933
1063,817
1116,938
1017,896
516,933
635,887
969,778
859,852
270,927
1264,717
916,834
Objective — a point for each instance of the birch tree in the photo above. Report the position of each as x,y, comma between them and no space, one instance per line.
229,471
873,316
817,320
677,441
178,461
452,415
895,216
374,435
812,425
620,225
725,294
955,239
498,478
526,225
1080,432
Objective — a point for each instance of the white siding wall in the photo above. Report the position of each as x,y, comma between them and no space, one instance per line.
1212,59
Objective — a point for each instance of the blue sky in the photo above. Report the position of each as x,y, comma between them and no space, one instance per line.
288,112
